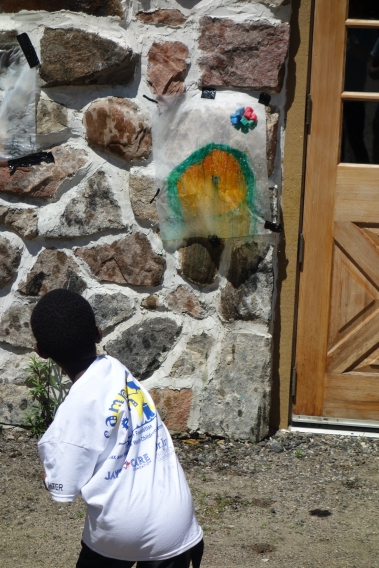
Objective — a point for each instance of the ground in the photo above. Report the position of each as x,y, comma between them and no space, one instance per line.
293,501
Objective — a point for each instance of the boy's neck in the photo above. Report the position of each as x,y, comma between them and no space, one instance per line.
78,369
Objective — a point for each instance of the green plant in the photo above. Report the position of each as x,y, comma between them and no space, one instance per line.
298,453
45,381
79,515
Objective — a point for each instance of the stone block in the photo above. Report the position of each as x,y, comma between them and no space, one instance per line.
243,55
151,302
10,257
174,407
167,67
194,357
44,180
272,125
248,293
91,7
52,269
200,259
8,38
130,260
22,221
183,301
13,369
94,208
72,56
143,347
51,117
15,396
15,400
15,325
118,127
141,191
236,402
111,309
172,18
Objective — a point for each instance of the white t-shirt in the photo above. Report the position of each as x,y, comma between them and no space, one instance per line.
108,442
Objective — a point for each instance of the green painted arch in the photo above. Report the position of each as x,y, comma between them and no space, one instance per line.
198,156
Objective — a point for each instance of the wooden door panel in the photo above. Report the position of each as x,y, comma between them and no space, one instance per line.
357,193
337,344
353,298
356,346
352,395
359,248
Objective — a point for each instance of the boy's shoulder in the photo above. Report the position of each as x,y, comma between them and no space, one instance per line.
88,397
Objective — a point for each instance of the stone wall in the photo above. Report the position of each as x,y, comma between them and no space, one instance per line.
195,323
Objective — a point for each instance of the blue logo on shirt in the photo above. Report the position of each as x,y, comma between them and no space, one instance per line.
113,474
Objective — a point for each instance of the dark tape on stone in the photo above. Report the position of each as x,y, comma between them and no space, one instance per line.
28,49
274,227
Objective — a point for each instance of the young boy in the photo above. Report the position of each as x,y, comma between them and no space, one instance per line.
108,443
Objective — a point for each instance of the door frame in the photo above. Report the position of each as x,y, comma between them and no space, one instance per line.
292,197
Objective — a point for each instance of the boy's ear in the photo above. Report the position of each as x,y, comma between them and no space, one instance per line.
39,352
98,335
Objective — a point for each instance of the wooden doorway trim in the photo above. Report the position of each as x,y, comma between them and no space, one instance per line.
313,315
292,186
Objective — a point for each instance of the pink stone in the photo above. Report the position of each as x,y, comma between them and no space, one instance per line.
117,126
247,55
167,67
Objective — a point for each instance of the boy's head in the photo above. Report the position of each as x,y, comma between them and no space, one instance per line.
64,326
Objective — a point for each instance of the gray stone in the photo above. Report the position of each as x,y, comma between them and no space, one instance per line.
13,370
15,325
247,55
51,117
275,447
144,346
194,357
183,301
111,309
272,125
52,269
93,209
236,401
22,221
141,191
10,257
15,401
73,56
248,293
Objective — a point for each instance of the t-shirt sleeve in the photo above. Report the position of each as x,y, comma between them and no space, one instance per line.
68,468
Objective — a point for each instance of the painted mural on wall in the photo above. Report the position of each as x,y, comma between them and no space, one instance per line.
211,166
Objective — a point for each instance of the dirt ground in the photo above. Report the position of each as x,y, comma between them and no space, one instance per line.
294,501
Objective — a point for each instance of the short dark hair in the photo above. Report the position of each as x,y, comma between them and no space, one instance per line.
64,325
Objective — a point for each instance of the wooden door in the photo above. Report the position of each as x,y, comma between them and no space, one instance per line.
337,345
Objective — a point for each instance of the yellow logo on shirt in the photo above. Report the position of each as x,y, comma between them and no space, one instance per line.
135,397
